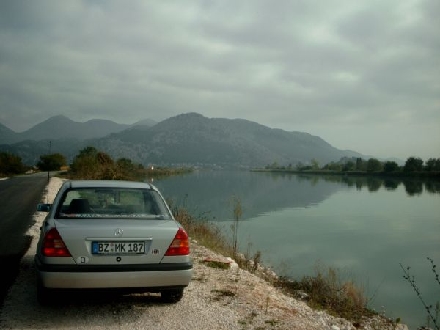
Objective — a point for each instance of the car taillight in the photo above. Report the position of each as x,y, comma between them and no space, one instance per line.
180,244
53,245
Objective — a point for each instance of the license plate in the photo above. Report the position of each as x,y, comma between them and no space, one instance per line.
118,247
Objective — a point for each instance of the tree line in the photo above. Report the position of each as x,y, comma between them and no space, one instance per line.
360,165
11,164
92,163
89,163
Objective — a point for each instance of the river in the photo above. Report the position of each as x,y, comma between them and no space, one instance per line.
366,228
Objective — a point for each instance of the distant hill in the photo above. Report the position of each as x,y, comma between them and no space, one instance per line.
61,127
194,139
145,122
185,139
7,135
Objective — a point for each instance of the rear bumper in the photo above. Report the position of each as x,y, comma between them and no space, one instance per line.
127,276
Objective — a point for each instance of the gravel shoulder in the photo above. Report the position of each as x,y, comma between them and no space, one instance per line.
215,299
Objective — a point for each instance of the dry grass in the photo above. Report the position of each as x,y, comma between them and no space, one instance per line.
325,290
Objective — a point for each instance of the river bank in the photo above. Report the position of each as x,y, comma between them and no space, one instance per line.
217,298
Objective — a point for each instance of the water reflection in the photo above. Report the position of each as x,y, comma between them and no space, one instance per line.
365,225
413,187
209,193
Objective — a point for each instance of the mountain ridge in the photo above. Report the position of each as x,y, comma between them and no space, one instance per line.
62,127
193,138
185,139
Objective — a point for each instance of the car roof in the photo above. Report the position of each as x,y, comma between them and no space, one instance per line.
108,184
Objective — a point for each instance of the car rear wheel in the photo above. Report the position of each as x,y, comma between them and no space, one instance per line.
171,296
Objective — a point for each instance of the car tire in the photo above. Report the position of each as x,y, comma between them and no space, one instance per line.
171,296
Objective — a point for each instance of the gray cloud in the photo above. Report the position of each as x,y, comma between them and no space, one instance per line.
364,75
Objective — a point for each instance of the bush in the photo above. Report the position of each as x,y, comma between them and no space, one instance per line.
326,290
51,162
10,164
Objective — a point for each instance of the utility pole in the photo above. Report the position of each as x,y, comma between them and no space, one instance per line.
50,147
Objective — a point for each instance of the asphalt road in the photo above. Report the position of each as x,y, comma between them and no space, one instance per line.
18,199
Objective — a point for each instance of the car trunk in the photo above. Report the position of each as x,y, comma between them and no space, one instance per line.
117,241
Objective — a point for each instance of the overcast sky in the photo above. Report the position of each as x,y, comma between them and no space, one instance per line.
363,75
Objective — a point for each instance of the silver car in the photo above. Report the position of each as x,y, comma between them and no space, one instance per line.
103,234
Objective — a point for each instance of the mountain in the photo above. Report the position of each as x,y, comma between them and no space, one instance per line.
7,135
194,139
145,122
181,140
61,127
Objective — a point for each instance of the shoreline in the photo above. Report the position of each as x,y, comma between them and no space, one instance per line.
217,298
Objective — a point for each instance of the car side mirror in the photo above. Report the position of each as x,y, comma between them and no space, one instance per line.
43,207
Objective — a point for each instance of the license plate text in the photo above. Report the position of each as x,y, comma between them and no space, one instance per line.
118,247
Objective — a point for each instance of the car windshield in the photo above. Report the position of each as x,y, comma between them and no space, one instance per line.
112,203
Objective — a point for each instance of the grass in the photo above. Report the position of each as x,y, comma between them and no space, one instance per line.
215,264
223,293
325,290
205,232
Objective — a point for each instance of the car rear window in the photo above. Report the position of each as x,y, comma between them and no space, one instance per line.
112,203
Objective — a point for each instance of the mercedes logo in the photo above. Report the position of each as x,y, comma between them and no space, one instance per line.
119,232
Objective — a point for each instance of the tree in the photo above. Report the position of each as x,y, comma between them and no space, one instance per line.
273,166
93,164
374,165
51,162
104,159
125,165
349,166
10,164
86,164
315,164
390,166
360,164
88,151
413,164
332,166
433,165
